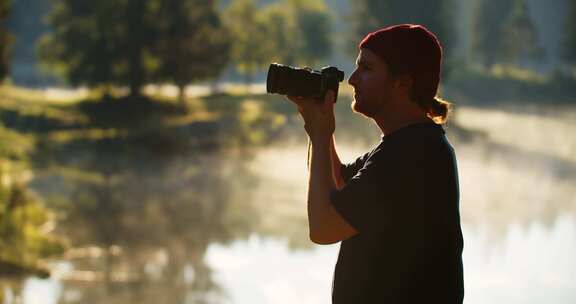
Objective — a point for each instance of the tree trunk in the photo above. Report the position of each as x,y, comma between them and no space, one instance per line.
135,90
136,42
182,95
135,75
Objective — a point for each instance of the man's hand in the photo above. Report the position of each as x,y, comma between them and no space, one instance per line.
319,121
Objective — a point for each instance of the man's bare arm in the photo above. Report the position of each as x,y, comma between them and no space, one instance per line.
336,166
335,163
327,226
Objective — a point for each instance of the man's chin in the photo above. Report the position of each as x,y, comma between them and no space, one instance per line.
358,108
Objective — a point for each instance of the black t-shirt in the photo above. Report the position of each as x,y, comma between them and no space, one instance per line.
403,198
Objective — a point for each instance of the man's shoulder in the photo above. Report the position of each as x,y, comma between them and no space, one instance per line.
424,146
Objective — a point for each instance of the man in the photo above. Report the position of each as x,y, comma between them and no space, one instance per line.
395,210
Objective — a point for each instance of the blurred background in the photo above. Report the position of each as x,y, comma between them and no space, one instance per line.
141,160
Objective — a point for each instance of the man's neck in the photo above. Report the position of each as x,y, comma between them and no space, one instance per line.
392,121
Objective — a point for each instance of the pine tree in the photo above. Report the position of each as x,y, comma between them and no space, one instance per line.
488,30
520,42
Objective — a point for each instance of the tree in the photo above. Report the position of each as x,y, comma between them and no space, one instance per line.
193,45
488,26
520,36
313,30
569,49
5,40
248,32
99,43
300,32
436,15
504,32
291,32
281,28
134,42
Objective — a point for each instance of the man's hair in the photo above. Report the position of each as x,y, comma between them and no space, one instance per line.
415,51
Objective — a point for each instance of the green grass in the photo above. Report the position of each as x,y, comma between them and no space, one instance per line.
233,118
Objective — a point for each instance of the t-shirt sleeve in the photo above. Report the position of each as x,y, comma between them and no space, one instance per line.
350,169
380,194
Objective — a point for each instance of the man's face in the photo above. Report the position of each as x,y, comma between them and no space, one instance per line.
374,87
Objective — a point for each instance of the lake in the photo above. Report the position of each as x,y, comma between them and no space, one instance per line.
231,226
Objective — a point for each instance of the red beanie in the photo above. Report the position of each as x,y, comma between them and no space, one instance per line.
409,49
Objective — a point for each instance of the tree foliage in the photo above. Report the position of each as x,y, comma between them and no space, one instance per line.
193,45
134,42
95,43
282,29
5,40
292,32
488,23
248,32
504,32
24,237
520,36
314,25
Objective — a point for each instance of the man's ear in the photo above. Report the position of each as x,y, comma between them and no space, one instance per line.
404,82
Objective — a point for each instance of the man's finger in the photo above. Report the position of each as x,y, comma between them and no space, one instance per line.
329,97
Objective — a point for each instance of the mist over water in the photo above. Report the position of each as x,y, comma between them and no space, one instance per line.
517,174
522,171
518,205
232,225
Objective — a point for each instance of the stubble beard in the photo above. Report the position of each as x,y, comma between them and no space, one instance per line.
360,108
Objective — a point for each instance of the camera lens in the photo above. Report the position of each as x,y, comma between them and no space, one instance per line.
287,80
275,82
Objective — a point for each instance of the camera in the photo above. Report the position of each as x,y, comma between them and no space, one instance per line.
287,80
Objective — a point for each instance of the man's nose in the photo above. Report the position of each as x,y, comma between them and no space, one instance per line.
352,79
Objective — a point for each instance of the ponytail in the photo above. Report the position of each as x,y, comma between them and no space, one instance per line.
437,109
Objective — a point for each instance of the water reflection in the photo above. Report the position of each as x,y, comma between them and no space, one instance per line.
145,225
150,226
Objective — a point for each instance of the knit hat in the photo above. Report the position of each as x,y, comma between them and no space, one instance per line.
409,49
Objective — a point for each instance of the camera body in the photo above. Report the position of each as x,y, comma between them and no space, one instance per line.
287,80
